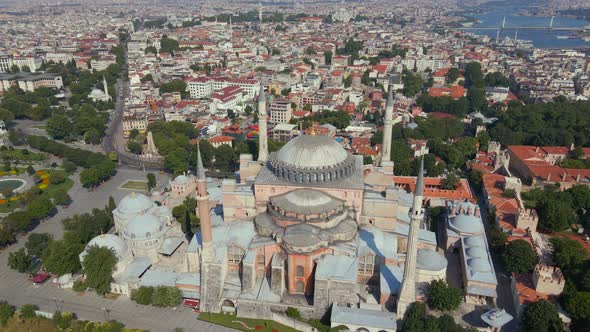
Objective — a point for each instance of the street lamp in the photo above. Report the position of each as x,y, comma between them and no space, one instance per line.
106,314
56,305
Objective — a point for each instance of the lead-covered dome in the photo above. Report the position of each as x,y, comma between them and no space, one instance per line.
110,241
312,159
144,226
135,203
312,151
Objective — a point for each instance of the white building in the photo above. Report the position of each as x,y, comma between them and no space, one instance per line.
203,87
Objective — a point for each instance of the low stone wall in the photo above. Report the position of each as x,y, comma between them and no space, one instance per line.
293,323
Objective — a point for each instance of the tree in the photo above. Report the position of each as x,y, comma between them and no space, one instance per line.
30,170
27,311
328,57
443,297
187,226
61,256
151,181
168,45
134,147
59,126
473,75
541,316
57,178
40,207
452,75
6,311
519,257
450,182
68,166
166,296
133,133
20,261
578,305
567,253
143,295
112,205
37,243
98,265
61,197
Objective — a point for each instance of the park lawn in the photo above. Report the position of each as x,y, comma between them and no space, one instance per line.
32,324
135,185
230,320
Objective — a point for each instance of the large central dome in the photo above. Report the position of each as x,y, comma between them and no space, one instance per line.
312,151
312,159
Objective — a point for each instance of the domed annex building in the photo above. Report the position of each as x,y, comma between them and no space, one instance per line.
149,245
310,226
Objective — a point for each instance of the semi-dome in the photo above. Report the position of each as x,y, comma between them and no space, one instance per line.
111,241
312,151
180,179
464,223
308,197
474,241
478,265
144,226
430,260
312,159
476,252
134,203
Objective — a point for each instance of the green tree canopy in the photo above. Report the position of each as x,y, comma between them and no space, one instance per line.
519,257
541,316
443,297
98,265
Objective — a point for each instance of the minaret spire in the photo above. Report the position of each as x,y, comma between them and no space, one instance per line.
208,251
407,294
106,87
262,127
388,125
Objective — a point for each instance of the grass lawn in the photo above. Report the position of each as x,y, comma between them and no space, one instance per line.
231,321
135,185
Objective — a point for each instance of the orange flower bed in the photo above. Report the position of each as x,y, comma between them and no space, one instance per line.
46,181
40,172
3,201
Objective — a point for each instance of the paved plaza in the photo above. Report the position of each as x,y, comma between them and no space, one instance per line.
16,289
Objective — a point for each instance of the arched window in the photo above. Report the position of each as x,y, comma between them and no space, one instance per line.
366,264
299,287
300,271
235,254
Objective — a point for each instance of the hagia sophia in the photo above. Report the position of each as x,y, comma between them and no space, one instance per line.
310,227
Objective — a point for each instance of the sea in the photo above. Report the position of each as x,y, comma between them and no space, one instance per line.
492,14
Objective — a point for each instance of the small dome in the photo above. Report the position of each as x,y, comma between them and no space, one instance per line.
110,241
134,203
308,197
478,265
180,179
474,241
430,260
466,224
310,151
476,252
144,226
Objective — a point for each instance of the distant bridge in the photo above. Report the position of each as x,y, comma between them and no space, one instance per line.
504,27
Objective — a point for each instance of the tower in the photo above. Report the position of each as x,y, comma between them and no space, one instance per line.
204,211
262,127
407,294
388,125
504,22
106,88
551,23
259,12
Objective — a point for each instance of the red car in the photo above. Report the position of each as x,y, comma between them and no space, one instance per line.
40,278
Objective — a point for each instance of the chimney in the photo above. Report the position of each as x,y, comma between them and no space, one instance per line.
578,178
537,149
476,213
548,177
563,176
468,211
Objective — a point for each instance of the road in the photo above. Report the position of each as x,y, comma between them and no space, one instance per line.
17,290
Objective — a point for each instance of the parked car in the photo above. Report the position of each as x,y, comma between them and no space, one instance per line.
40,278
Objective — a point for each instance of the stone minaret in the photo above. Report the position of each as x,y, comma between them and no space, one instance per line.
204,211
259,11
407,294
106,87
262,127
388,125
